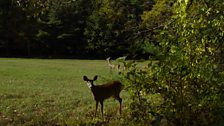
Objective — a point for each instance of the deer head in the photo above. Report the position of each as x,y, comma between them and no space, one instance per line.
89,82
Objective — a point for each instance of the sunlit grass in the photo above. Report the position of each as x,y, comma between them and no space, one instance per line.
52,92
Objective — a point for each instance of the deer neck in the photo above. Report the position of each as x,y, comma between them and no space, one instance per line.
93,87
94,90
109,62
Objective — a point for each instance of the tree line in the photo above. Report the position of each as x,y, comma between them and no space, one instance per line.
80,28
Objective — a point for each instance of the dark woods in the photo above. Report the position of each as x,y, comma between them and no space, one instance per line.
73,28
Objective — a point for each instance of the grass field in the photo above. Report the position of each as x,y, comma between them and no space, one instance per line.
52,92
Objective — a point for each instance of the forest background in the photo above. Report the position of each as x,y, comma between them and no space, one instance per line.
181,39
81,28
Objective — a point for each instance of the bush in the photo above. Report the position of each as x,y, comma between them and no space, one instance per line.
185,86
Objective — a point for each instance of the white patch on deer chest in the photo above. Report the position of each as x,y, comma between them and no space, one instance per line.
89,84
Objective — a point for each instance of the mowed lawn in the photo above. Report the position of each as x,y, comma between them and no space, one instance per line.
52,92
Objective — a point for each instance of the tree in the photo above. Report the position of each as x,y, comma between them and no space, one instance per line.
60,26
112,26
15,37
154,18
187,82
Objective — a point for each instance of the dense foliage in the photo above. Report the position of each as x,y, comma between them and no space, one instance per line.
185,87
43,28
77,28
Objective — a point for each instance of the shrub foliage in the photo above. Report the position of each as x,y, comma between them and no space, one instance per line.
185,86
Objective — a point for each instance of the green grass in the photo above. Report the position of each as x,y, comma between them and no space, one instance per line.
52,92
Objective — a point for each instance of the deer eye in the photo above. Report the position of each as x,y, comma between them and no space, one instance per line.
89,84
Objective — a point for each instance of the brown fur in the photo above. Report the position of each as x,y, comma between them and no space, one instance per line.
105,91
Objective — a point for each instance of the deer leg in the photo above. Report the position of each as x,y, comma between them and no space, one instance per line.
96,107
101,102
120,101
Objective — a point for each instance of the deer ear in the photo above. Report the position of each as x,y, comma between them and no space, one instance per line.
95,78
85,78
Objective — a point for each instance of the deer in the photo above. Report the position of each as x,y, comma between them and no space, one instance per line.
104,91
111,65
